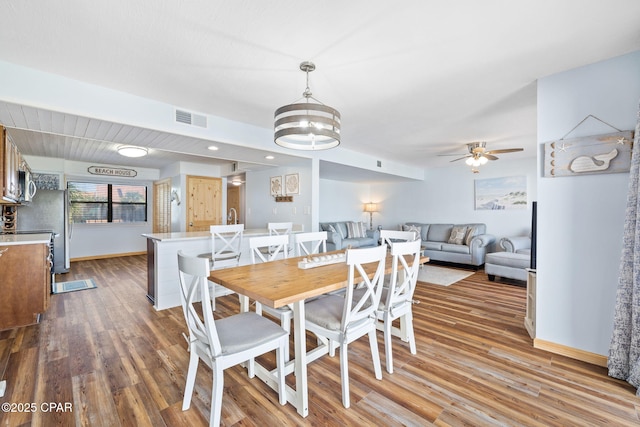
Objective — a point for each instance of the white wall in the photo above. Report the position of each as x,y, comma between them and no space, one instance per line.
445,196
89,240
262,208
580,219
344,201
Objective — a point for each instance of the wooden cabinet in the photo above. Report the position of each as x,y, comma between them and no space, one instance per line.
10,160
25,285
530,315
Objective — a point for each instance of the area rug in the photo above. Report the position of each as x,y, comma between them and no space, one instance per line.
75,285
441,275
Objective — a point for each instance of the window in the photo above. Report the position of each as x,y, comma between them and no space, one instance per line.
96,202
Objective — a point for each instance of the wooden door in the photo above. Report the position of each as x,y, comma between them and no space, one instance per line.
233,201
162,206
204,202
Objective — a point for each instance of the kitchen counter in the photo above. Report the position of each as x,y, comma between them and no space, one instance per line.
163,288
24,239
249,232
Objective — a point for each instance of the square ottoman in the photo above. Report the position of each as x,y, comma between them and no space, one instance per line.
508,265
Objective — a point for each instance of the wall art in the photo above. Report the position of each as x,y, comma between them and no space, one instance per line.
596,154
501,193
292,183
276,186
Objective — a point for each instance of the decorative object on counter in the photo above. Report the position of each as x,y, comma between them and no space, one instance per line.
46,181
371,208
292,184
75,285
501,193
594,154
275,186
307,125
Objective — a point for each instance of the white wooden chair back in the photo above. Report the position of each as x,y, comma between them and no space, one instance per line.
404,274
275,245
226,245
193,273
279,228
390,236
370,290
310,243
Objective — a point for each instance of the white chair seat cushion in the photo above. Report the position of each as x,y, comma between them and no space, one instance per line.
325,312
246,330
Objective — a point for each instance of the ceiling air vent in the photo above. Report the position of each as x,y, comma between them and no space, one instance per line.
191,119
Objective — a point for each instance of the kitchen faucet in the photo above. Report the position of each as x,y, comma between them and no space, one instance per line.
235,215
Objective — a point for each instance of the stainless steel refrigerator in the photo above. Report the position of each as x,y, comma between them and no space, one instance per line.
48,212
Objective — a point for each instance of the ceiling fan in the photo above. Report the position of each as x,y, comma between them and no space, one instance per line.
479,155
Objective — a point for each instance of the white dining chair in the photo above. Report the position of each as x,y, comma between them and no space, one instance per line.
226,342
397,299
389,236
310,243
279,229
226,249
278,248
344,319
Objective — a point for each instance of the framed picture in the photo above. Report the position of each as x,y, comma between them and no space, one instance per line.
292,184
501,193
276,186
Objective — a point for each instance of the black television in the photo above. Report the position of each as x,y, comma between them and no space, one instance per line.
534,234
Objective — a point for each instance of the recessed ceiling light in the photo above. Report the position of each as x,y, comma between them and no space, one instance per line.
269,157
212,148
132,151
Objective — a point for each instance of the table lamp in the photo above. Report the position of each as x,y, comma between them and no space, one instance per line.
371,208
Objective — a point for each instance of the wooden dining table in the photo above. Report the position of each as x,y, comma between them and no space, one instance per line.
280,283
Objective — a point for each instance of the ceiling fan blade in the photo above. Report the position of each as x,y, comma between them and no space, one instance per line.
505,150
459,158
490,156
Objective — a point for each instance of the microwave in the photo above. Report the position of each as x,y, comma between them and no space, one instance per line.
27,186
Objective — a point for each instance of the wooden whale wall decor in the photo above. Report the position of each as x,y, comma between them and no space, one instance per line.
596,154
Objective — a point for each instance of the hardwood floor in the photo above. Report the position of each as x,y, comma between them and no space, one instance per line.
105,357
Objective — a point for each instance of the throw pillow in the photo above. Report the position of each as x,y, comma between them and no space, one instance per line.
417,230
457,235
354,230
471,233
331,229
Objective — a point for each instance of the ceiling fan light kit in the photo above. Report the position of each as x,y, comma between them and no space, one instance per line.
478,154
307,125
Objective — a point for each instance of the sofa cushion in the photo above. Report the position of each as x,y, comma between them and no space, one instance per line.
457,235
472,231
455,248
356,230
433,246
354,243
424,229
439,232
341,227
414,228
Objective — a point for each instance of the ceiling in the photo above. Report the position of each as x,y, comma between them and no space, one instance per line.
412,80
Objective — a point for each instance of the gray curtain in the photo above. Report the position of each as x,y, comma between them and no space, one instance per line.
624,351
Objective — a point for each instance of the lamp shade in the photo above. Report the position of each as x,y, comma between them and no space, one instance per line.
308,125
371,207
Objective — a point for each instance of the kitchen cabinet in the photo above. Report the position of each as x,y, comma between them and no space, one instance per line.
10,160
26,280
